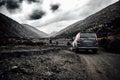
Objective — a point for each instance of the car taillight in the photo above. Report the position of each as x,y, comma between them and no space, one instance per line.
96,37
78,37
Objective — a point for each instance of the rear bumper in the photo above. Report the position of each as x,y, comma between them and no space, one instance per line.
88,48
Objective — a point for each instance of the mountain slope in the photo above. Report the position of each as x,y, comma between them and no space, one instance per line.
12,29
36,31
67,29
53,33
103,22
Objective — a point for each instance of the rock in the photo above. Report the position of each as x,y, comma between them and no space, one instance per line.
49,73
14,67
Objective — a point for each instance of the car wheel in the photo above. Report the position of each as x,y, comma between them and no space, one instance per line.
72,49
86,50
94,51
76,50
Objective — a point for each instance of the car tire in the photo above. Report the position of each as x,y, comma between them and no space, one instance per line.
73,49
94,51
76,50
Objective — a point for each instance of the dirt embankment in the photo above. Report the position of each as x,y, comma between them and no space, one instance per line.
60,65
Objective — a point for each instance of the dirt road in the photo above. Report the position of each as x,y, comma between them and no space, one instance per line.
102,66
60,65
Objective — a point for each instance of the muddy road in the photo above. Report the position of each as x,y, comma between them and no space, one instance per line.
34,63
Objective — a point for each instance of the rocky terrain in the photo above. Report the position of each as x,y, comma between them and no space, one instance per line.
56,63
104,22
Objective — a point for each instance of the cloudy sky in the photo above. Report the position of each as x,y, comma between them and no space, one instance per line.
51,15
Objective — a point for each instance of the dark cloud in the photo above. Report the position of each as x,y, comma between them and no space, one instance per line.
37,15
2,2
11,5
54,7
33,1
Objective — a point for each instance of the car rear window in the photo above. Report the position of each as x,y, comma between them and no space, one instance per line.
87,35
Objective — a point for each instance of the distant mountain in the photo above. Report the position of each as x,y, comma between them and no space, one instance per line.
35,31
104,22
53,33
70,29
12,29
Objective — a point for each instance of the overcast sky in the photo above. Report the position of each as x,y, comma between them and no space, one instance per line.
51,15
